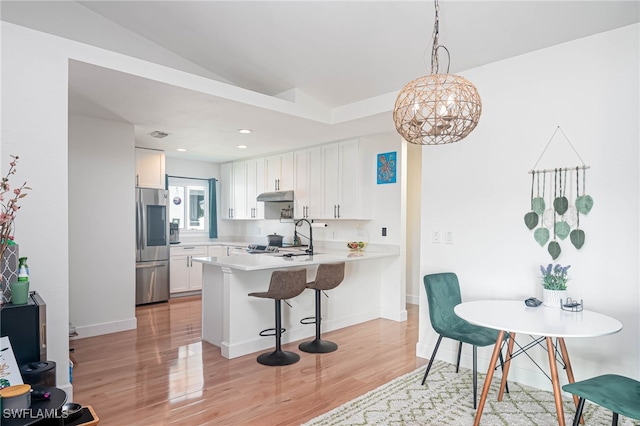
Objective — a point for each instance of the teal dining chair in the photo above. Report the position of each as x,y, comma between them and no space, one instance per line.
443,294
617,393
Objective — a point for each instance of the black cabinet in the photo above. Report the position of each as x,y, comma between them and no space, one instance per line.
26,327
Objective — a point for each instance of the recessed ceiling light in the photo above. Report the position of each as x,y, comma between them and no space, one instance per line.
242,146
244,131
181,149
158,134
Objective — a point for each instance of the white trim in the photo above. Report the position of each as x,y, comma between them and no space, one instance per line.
106,328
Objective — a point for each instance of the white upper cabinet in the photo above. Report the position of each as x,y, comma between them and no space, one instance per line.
308,183
279,172
344,187
255,187
150,168
239,205
226,191
301,183
329,182
242,182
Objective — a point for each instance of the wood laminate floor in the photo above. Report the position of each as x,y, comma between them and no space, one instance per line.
163,374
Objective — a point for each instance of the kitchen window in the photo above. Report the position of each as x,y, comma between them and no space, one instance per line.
189,203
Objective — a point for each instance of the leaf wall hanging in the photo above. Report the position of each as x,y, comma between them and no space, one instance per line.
578,236
537,203
531,218
541,235
560,203
584,203
554,249
560,215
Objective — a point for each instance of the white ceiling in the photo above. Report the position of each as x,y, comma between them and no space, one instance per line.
338,55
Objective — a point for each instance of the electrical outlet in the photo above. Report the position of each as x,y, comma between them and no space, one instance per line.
384,232
435,237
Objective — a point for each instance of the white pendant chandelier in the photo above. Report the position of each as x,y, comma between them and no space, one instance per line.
438,108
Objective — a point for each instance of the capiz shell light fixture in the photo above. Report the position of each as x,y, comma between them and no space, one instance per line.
438,108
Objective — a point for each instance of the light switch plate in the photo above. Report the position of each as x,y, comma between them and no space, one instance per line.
435,238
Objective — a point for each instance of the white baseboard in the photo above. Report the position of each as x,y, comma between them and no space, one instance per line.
106,328
412,300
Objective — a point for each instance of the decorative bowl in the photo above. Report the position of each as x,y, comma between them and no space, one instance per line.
71,411
356,245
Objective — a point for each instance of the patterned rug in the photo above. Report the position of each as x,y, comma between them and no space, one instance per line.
447,399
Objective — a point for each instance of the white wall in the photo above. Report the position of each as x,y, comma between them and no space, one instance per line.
479,189
34,126
102,232
414,218
192,168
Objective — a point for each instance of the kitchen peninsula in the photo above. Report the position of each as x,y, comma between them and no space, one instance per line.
231,320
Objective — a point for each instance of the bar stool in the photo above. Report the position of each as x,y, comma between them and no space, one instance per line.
284,285
328,276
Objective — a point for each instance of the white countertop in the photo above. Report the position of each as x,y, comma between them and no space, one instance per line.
261,261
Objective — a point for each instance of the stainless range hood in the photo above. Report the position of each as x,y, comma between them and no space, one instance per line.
277,196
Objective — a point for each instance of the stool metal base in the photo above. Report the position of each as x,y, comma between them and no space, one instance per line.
278,357
318,346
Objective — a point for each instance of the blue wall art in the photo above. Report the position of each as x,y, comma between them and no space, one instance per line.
386,168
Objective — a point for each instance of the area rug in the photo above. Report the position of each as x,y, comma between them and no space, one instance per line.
447,399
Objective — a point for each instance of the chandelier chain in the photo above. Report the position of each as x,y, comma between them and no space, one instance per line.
435,60
435,65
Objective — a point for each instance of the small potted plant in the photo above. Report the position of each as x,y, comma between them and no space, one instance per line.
554,284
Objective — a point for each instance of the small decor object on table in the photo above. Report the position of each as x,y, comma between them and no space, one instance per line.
554,284
356,245
8,210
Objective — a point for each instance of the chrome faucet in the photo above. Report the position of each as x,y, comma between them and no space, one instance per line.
310,238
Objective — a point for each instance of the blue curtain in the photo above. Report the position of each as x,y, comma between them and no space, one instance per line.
213,209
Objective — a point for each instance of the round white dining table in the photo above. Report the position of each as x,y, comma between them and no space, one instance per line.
513,317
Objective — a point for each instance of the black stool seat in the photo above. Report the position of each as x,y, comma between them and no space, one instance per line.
328,276
283,285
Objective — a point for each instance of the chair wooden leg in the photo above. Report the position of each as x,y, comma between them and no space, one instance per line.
615,420
433,356
459,354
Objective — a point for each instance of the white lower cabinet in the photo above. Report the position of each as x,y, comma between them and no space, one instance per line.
185,274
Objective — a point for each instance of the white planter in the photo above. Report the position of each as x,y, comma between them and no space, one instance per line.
551,298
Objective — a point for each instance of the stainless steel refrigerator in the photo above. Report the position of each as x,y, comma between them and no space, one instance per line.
152,245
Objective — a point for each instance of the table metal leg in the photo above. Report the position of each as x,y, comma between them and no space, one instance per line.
487,380
553,369
507,364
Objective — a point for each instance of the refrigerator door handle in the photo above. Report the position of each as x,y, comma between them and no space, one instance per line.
138,228
143,231
152,265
